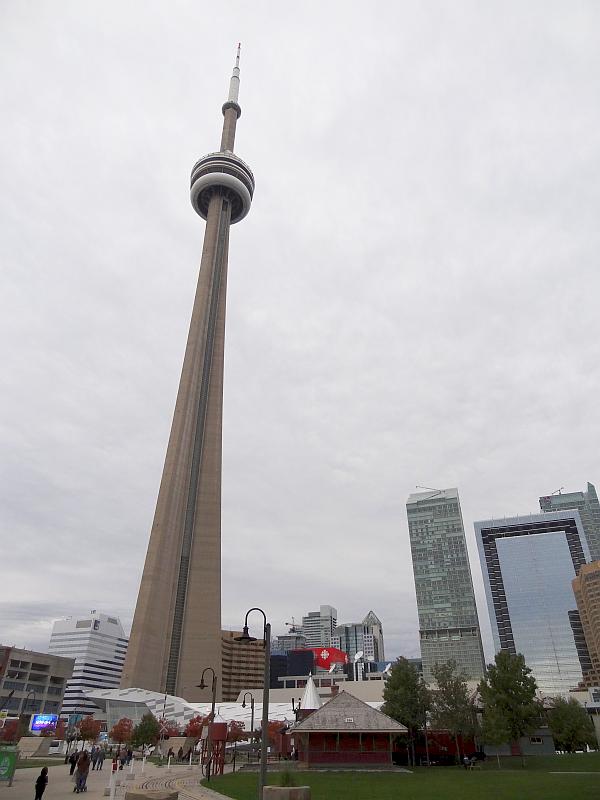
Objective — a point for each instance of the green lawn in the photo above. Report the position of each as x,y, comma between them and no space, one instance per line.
535,782
26,763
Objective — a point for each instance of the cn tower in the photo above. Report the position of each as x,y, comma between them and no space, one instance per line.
176,629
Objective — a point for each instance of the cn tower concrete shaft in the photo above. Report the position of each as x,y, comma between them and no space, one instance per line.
176,629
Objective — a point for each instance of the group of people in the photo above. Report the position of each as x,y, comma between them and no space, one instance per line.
181,757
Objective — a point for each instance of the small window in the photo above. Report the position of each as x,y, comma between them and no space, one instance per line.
83,623
535,740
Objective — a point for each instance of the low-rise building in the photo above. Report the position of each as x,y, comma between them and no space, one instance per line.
32,682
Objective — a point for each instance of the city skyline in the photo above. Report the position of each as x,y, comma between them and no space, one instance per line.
380,338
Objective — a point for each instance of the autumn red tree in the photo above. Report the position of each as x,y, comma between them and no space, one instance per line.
59,730
122,731
194,726
273,728
89,728
12,730
236,731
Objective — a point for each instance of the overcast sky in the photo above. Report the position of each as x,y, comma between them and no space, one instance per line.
413,298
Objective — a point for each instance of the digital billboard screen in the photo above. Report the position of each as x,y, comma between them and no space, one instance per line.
40,722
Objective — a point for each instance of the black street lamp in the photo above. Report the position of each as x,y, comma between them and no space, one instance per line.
252,717
203,685
264,738
296,708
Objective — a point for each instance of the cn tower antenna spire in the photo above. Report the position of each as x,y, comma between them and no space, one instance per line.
234,84
231,107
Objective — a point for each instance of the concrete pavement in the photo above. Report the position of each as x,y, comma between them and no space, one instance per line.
60,785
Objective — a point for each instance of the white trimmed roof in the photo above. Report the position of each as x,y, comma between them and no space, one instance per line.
176,709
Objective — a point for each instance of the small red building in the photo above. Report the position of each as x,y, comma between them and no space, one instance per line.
346,731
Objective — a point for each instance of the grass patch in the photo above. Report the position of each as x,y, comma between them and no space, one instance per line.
28,763
451,783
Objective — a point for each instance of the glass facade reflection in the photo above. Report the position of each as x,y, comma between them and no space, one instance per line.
528,564
448,622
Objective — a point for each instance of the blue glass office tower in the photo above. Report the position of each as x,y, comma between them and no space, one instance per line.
528,564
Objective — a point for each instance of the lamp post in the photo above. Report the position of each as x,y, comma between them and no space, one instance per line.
203,685
23,706
296,708
264,738
252,717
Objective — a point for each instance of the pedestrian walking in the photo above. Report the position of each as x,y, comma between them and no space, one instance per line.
83,768
129,756
41,783
73,761
100,759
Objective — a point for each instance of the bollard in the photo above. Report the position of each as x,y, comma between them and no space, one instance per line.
169,764
113,788
143,764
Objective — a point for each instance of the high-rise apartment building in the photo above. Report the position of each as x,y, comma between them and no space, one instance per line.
176,628
243,665
318,626
528,565
31,682
448,622
586,587
289,641
365,637
589,510
98,644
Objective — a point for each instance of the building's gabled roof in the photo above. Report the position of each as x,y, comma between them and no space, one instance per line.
310,699
346,713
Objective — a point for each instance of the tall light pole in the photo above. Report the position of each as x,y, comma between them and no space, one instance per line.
202,685
252,717
264,738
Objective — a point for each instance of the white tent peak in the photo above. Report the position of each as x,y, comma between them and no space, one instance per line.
310,699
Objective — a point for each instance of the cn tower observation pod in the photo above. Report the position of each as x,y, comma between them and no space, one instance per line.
223,171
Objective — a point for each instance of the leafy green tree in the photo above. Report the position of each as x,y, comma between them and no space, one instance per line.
147,731
510,707
571,725
407,699
453,709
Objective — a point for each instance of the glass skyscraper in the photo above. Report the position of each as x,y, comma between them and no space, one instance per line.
448,622
589,510
528,564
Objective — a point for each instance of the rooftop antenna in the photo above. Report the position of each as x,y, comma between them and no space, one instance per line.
558,491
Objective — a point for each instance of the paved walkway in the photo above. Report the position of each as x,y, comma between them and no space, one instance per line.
60,784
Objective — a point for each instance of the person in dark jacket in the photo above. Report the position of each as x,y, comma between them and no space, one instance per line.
73,761
41,783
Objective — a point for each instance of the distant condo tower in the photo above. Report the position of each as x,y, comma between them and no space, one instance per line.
177,624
